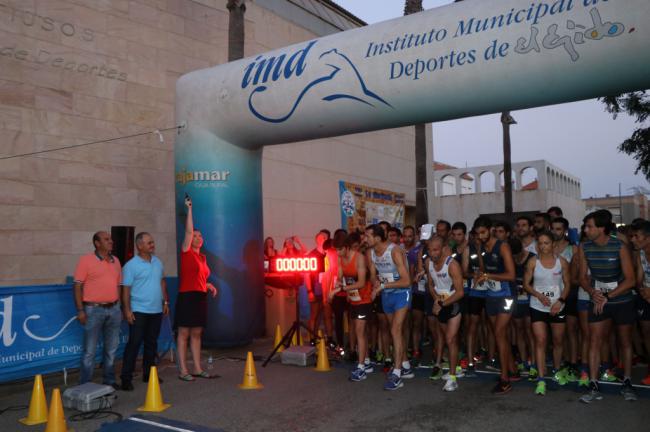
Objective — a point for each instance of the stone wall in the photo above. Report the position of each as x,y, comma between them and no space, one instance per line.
79,71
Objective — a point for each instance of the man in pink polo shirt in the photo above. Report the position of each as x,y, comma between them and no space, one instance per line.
97,282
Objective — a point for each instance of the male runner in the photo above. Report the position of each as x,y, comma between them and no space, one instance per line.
390,278
498,272
446,287
502,230
612,302
418,289
541,223
524,228
641,241
521,314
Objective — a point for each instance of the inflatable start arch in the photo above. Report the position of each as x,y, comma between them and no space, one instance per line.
465,59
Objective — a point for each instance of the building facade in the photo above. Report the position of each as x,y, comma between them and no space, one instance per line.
462,194
624,208
74,72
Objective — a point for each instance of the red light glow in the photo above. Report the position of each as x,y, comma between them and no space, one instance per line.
306,264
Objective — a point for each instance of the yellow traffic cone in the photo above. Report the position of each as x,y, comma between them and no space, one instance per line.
38,405
250,376
56,419
278,338
323,362
154,401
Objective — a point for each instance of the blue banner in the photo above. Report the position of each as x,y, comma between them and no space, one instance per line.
39,331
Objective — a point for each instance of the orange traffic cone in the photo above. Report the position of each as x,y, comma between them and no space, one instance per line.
278,338
38,405
323,362
56,419
154,401
250,376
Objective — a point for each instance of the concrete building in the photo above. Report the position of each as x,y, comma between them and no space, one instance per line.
462,194
624,209
80,71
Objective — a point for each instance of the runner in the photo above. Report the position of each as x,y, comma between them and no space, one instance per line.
352,282
390,278
446,288
521,313
383,328
641,241
548,281
542,223
459,237
418,289
612,301
498,270
524,228
563,247
502,230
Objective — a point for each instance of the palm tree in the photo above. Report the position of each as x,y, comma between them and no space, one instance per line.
237,9
421,162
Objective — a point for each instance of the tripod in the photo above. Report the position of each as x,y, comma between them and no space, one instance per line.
294,329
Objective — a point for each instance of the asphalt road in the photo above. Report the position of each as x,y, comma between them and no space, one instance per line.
300,399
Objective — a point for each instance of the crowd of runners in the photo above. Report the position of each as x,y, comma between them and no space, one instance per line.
508,298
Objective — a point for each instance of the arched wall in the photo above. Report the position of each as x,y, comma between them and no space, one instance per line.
465,59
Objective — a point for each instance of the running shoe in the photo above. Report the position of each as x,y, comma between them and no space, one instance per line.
470,372
451,384
502,387
572,374
492,365
608,376
520,367
560,377
359,374
379,357
541,388
393,382
368,368
514,377
464,363
628,392
583,381
408,373
459,372
388,365
436,373
592,395
533,374
445,364
646,380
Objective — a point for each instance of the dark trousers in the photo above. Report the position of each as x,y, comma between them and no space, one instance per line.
145,328
339,306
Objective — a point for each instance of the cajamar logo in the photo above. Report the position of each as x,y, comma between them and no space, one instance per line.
183,177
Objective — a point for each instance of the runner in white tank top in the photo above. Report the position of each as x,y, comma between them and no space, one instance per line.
547,281
445,279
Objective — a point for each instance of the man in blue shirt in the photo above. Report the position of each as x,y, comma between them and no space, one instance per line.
144,300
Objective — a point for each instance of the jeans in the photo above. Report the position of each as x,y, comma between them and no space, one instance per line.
104,321
145,328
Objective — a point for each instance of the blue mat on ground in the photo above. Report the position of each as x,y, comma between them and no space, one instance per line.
150,423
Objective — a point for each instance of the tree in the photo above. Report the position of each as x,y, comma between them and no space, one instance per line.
421,162
636,104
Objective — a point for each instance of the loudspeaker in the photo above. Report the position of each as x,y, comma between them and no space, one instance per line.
123,242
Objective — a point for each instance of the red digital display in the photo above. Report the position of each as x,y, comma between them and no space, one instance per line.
295,265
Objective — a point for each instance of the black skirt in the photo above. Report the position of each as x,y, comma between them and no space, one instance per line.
191,309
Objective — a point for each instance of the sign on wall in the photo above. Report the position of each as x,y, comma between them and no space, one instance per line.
362,206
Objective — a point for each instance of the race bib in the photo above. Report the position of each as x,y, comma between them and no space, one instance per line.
480,287
386,278
422,285
550,292
353,295
605,287
444,295
492,285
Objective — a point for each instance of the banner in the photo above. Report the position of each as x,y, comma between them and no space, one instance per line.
362,206
39,331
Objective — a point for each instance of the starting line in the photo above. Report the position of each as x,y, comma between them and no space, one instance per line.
140,423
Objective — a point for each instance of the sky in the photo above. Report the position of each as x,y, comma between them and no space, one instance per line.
580,137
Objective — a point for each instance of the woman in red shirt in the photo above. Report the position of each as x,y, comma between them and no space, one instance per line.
191,304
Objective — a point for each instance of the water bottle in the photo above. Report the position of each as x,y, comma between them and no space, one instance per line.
210,362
